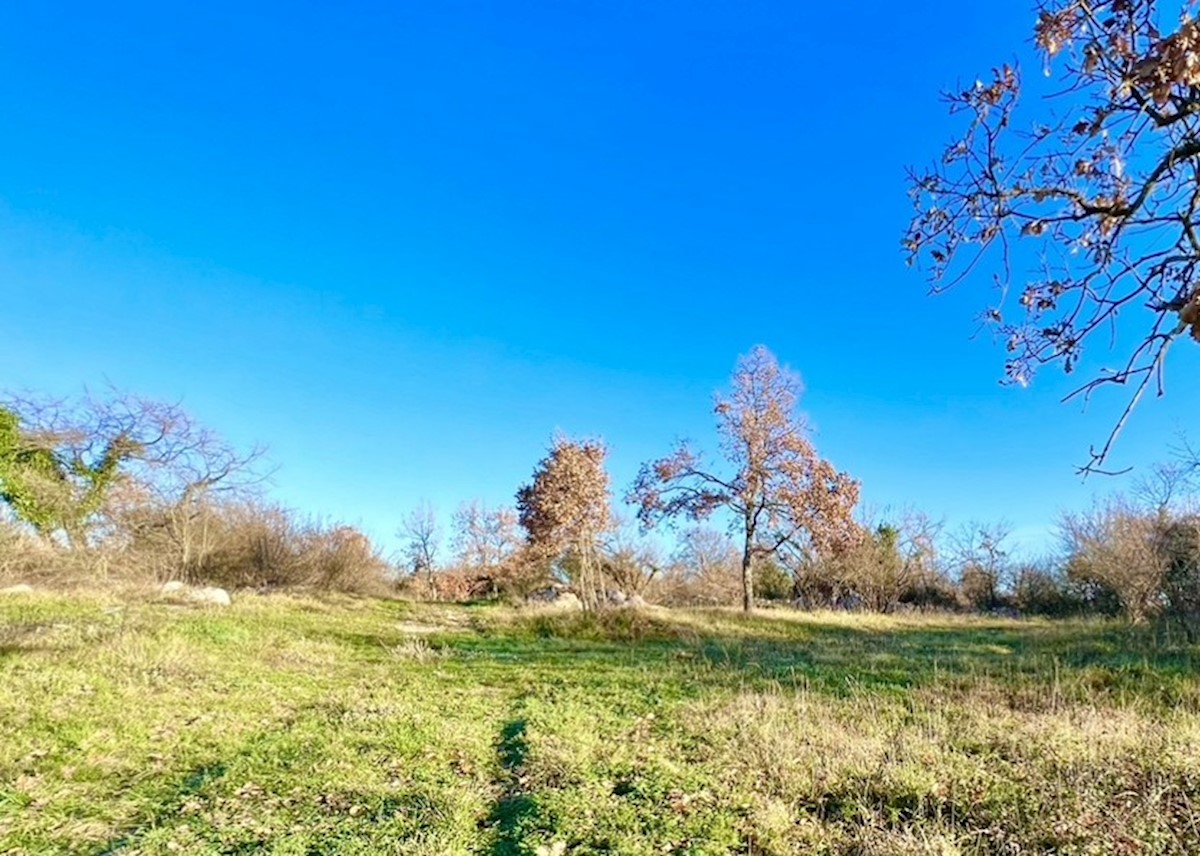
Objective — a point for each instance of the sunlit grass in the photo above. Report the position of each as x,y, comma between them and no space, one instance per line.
293,725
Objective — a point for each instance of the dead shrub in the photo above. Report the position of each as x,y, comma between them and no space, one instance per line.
1117,547
251,545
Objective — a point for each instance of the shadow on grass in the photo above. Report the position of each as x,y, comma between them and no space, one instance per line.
189,785
510,812
832,654
689,652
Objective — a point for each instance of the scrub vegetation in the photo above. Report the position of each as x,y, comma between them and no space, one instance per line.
559,683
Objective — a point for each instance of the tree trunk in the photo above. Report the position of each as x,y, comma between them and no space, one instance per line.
747,575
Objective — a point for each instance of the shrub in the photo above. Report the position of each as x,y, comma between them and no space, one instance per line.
1180,542
250,545
1121,550
1038,590
772,581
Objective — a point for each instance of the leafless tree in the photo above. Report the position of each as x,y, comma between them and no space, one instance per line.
1165,486
892,561
83,455
566,509
705,568
630,563
421,536
776,486
1104,193
484,538
980,552
1119,547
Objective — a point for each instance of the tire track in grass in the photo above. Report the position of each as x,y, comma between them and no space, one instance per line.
515,805
190,785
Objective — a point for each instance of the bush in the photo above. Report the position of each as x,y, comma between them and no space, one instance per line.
1118,550
887,568
1180,542
772,582
1041,591
250,545
980,587
22,556
932,591
682,585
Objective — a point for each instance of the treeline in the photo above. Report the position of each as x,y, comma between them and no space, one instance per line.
118,487
115,487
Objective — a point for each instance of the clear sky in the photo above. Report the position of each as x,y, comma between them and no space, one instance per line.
403,243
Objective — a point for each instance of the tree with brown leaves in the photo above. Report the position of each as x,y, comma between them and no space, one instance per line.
778,489
1105,194
565,510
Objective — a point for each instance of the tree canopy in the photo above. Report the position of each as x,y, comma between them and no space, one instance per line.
1087,214
778,489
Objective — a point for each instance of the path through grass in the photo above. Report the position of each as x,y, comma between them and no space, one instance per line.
296,726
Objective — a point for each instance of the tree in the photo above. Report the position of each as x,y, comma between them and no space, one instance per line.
706,565
484,538
875,571
980,551
1119,548
565,510
628,562
1105,193
421,536
778,490
63,463
895,561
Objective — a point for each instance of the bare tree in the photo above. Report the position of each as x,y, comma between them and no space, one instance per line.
629,563
980,551
63,462
897,556
1105,193
484,538
1120,548
777,488
422,537
1164,486
705,567
565,510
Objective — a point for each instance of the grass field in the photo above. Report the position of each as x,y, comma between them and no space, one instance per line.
296,726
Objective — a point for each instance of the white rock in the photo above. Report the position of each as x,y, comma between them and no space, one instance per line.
182,591
568,600
635,601
214,596
556,597
20,588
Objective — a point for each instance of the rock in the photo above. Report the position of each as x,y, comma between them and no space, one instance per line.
19,589
617,597
214,596
176,590
568,600
636,601
555,596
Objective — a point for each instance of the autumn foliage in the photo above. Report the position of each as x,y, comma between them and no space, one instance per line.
779,492
565,509
1086,214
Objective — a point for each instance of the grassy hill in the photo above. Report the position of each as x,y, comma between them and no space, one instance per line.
298,726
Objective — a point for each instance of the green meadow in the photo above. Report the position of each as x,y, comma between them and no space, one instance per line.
289,725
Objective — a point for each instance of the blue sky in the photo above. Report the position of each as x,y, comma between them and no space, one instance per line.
402,244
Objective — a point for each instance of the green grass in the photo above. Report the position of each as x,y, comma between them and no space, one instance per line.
295,726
